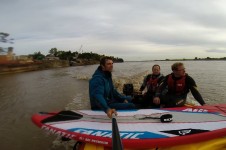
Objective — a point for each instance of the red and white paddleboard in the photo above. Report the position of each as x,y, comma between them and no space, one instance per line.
139,128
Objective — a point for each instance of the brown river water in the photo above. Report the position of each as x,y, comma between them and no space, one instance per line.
24,94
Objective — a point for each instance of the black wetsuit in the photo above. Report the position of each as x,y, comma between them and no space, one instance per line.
148,96
170,98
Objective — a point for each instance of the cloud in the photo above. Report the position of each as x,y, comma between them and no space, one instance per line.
148,28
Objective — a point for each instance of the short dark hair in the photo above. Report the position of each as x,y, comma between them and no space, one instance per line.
104,59
155,65
176,65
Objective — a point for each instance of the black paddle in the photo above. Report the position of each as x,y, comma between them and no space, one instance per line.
116,139
61,116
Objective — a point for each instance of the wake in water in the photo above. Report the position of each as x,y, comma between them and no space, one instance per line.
136,80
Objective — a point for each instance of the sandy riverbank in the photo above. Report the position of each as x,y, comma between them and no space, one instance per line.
16,67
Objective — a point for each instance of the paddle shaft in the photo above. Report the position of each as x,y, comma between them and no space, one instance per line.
116,139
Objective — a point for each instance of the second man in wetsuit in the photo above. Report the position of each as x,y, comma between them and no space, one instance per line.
175,87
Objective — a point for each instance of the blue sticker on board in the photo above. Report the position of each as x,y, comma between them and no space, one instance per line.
123,134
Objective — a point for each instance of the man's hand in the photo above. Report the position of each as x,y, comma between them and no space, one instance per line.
110,112
126,101
140,92
156,100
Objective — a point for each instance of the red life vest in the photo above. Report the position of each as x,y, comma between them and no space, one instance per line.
152,84
176,86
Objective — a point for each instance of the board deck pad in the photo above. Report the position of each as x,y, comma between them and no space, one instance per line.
138,128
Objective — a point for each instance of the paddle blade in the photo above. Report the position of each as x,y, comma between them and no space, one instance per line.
63,116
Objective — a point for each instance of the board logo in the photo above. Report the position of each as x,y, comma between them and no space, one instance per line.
194,110
123,134
183,132
57,132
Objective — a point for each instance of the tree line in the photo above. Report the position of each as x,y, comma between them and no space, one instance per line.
54,52
4,38
196,58
71,56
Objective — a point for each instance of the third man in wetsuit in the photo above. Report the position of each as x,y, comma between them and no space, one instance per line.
151,82
175,87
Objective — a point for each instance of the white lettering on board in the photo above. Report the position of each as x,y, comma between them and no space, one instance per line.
99,133
194,110
124,135
60,133
136,135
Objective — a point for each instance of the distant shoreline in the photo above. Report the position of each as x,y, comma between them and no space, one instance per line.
178,60
17,67
44,65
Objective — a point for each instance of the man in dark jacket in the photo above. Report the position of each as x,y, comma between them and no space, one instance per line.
175,87
102,93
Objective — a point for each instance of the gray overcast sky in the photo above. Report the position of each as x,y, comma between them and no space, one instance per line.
129,29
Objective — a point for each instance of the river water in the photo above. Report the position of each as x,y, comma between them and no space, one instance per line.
24,94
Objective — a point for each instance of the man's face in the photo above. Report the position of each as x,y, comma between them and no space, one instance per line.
108,65
180,71
156,70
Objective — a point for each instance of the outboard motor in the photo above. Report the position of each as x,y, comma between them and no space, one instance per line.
128,89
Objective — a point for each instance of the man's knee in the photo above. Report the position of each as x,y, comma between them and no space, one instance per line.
131,106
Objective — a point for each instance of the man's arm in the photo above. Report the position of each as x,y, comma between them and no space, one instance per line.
97,92
143,84
161,79
194,90
163,84
121,98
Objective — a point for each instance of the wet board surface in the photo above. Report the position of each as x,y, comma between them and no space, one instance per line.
139,128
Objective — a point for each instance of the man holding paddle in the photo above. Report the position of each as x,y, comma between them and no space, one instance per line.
102,92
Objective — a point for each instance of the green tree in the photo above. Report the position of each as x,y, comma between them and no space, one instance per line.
68,55
4,38
53,51
38,56
91,55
